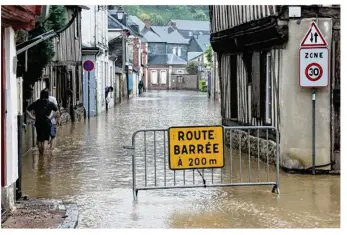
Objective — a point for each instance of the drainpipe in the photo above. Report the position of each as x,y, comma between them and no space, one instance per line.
3,111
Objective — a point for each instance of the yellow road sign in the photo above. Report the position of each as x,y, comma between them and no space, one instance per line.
196,147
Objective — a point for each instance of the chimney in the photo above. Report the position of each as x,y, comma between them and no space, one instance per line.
148,24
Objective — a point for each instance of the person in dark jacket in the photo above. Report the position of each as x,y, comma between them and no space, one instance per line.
107,91
140,86
43,115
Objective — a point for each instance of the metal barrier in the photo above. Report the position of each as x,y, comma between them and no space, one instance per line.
250,159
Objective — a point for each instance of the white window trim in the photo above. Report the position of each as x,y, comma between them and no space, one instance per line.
268,101
161,81
152,80
174,50
179,51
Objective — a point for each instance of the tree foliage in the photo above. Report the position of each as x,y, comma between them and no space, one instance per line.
192,67
208,54
156,19
143,16
40,55
161,14
200,15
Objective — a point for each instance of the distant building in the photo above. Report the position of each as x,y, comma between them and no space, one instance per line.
167,53
95,48
126,33
188,28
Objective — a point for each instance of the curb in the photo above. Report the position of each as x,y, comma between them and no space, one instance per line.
71,216
70,208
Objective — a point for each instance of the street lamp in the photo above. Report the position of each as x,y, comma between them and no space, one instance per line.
120,13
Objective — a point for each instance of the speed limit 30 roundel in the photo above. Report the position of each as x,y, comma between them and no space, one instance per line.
313,72
314,67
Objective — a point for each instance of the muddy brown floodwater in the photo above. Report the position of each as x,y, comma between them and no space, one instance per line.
91,167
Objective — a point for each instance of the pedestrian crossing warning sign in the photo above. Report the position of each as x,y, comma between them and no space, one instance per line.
196,147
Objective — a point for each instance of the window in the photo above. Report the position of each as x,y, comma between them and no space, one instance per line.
174,50
268,91
179,71
154,77
111,82
76,28
179,51
190,33
163,76
180,79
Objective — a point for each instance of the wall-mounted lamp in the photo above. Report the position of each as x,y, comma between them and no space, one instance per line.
120,13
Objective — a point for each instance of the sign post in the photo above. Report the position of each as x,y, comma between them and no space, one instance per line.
314,72
88,65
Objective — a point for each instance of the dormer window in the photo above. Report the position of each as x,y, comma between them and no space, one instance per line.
190,33
179,51
174,50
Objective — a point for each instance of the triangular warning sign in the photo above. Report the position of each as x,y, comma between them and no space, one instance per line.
313,37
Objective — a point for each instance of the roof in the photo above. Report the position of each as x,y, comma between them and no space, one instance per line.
203,41
150,36
192,25
169,34
169,59
137,21
193,55
113,23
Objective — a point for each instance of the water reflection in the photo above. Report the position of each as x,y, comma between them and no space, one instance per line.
91,167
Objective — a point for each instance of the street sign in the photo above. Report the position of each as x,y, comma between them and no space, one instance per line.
88,65
196,147
314,67
314,37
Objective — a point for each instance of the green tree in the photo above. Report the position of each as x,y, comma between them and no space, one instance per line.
208,54
143,16
200,15
132,10
192,67
156,19
40,55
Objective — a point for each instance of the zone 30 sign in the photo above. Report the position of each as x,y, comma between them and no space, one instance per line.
314,70
314,59
196,147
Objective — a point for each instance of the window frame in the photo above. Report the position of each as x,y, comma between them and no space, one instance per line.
161,81
156,74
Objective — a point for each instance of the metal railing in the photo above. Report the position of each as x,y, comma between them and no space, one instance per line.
251,156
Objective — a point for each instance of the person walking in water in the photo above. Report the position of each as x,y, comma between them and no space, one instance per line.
54,120
107,90
43,115
140,86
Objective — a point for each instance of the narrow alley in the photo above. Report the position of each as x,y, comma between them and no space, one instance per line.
91,168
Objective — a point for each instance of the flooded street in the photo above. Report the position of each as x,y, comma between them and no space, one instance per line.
91,168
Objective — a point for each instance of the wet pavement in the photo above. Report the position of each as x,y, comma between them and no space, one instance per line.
91,167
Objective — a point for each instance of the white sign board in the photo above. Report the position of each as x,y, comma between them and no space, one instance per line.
314,37
314,67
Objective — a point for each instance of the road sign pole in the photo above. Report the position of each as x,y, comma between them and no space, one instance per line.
313,131
88,95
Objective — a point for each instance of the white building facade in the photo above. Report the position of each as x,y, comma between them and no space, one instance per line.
95,48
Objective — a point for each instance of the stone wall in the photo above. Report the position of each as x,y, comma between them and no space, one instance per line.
65,116
264,145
